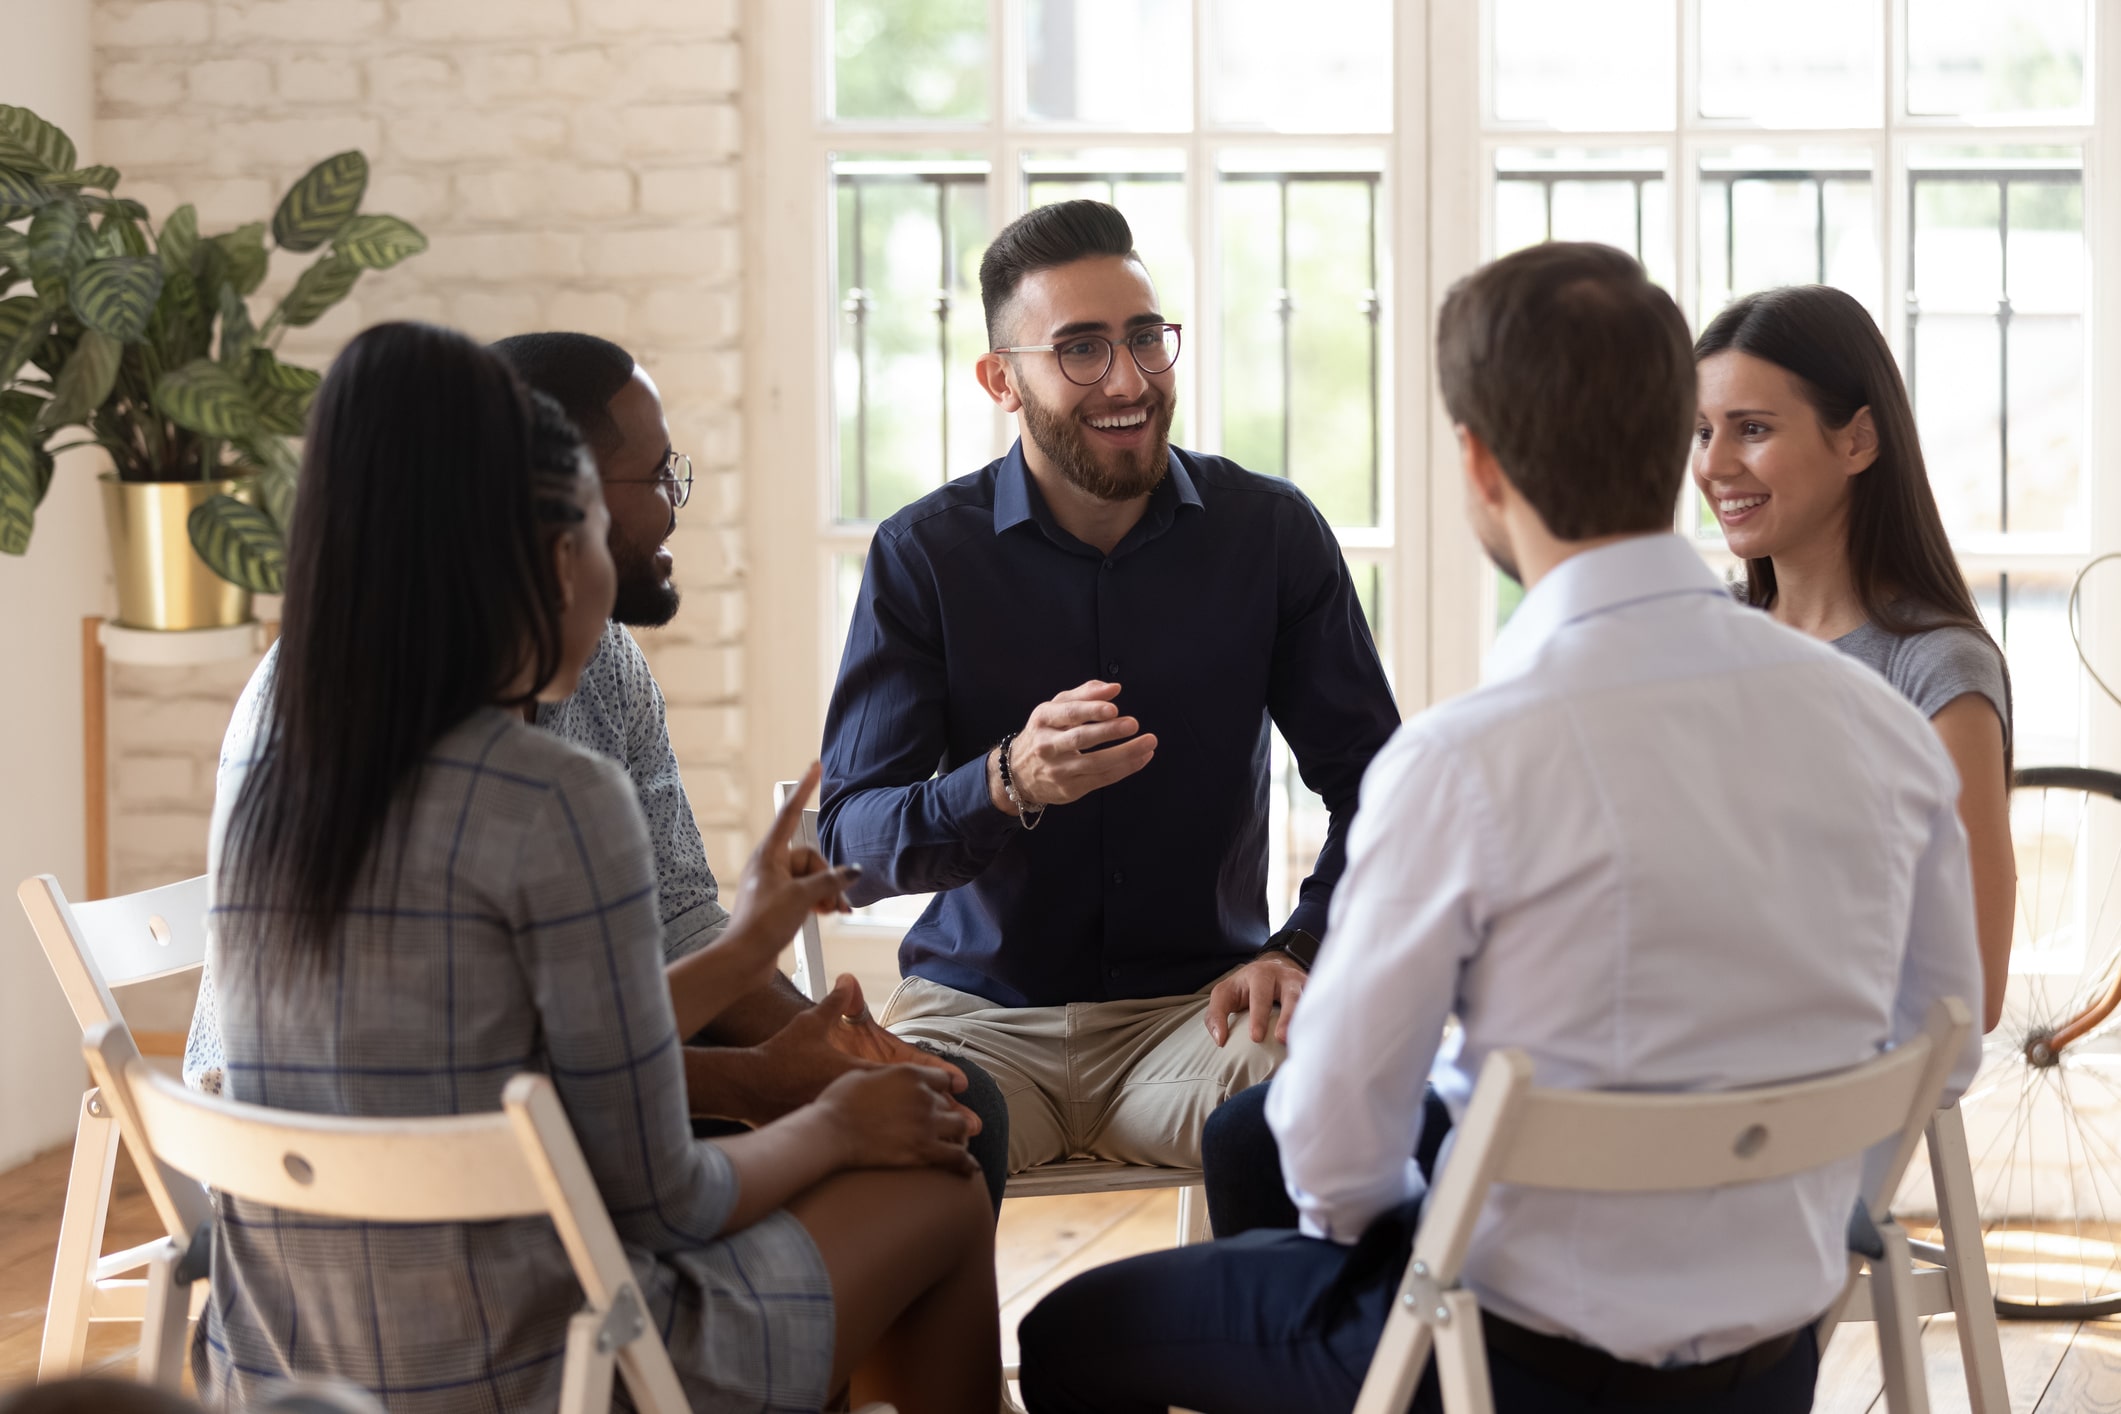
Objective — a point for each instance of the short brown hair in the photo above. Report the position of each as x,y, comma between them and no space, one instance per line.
1578,374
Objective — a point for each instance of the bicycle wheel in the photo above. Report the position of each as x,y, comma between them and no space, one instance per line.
2043,1116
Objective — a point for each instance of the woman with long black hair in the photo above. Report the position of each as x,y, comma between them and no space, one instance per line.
1806,451
419,894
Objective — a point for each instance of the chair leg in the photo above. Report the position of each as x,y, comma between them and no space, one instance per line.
1193,1215
168,1316
65,1342
1462,1358
1395,1370
1899,1337
1966,1265
585,1377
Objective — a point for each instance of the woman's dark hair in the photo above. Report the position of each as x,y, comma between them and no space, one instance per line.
1899,557
419,587
1041,239
583,372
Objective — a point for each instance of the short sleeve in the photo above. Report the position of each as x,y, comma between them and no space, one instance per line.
1936,668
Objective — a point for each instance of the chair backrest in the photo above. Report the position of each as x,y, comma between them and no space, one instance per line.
810,978
519,1161
114,942
1612,1142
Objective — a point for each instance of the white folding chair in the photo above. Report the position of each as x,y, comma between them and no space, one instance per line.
1953,1274
93,947
1608,1142
519,1161
1051,1180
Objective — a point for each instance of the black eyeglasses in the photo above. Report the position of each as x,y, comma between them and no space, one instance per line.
1085,359
673,474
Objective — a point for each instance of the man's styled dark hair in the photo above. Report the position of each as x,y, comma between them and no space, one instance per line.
1060,234
1578,374
581,372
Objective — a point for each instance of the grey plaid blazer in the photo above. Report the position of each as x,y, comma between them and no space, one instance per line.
521,932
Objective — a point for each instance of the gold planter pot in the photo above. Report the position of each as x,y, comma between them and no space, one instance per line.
162,582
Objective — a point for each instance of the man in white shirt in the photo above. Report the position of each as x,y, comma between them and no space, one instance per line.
1669,845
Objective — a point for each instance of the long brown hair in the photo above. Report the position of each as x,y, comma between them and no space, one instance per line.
1899,557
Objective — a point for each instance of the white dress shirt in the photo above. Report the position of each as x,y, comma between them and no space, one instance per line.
1668,845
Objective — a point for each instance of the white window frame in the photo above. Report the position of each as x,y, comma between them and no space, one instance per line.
1438,159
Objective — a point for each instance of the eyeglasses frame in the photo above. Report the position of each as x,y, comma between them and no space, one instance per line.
1112,347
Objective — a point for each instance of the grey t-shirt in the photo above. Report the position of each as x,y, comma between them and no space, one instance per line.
1935,667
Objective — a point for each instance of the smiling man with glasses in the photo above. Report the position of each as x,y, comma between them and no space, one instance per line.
1053,713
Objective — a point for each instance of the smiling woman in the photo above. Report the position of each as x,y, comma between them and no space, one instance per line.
1806,448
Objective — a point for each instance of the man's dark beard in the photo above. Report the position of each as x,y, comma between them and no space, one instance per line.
1067,445
645,599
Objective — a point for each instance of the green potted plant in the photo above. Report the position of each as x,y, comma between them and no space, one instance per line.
141,341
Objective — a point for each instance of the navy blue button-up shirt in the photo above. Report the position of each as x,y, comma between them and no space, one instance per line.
1227,605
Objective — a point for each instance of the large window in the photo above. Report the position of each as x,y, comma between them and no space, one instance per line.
1927,156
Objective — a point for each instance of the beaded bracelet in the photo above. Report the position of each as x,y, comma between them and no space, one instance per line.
1027,813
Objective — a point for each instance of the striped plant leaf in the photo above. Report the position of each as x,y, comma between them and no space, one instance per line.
378,242
179,240
316,290
19,490
238,334
205,398
120,206
24,321
103,178
52,236
244,250
281,392
239,543
121,235
85,381
318,206
27,141
117,294
20,193
14,248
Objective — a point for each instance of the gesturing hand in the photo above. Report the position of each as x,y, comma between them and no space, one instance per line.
898,1116
782,884
1052,759
1256,987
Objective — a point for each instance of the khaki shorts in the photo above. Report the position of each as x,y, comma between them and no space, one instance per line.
1130,1081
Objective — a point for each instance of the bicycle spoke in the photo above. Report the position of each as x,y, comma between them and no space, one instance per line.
2086,1133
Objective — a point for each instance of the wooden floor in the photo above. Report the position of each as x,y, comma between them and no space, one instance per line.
2052,1368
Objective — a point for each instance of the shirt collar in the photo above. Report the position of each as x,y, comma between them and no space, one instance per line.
1593,583
1016,498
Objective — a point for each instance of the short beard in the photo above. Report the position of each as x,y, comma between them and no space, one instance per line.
1067,445
644,600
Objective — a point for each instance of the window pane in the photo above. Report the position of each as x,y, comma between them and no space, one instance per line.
1814,64
1075,73
1296,817
1772,218
1149,188
910,233
1321,67
1614,195
1996,337
1584,65
2028,614
1983,58
1301,324
910,59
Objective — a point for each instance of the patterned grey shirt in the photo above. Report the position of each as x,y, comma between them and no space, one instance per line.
617,712
519,932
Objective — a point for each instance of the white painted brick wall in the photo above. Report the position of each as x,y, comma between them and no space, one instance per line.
574,163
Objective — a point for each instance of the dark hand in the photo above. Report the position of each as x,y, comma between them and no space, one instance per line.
1256,987
825,1041
898,1116
1051,759
782,884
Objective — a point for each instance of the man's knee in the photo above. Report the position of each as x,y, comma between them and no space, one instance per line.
1237,1131
991,1145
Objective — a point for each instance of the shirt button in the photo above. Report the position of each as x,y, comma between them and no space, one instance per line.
1112,668
1118,877
1108,566
1112,972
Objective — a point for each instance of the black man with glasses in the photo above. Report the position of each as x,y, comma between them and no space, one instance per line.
1054,714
